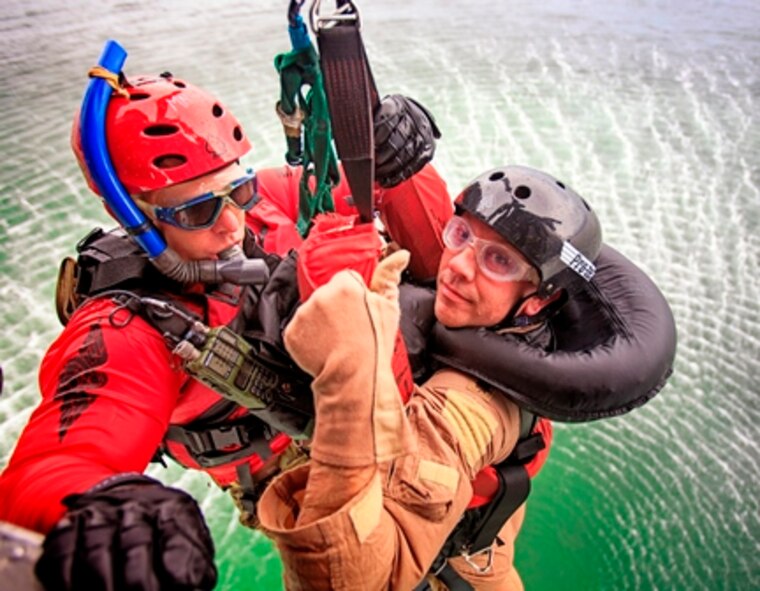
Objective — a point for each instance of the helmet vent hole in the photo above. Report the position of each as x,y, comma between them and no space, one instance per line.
217,110
237,133
586,205
169,161
139,96
561,184
160,130
180,84
496,176
522,192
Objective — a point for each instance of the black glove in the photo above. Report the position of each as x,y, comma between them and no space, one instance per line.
129,532
405,134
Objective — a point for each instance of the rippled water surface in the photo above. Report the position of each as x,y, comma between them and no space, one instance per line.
647,108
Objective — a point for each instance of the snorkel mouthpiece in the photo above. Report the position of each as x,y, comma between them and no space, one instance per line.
234,269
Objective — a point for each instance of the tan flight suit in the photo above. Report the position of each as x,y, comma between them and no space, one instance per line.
386,483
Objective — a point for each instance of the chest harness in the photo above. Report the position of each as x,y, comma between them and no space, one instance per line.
261,411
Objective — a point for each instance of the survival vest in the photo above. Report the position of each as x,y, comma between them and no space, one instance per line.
110,264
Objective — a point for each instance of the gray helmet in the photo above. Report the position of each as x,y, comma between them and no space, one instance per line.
549,223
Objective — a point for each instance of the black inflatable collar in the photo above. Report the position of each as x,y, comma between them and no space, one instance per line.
616,343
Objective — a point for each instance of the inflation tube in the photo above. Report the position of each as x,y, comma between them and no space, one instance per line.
233,266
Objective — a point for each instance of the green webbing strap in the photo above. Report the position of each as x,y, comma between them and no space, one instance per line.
297,68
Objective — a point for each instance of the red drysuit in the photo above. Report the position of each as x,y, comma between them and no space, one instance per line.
109,392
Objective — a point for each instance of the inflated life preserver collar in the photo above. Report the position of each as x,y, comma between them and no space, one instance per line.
616,342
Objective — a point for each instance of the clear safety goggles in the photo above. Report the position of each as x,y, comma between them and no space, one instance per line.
202,212
495,260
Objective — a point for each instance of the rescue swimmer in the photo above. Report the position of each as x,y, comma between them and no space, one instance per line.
114,395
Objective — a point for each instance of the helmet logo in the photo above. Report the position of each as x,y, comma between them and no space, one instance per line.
576,260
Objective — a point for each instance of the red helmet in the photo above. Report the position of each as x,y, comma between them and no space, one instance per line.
168,131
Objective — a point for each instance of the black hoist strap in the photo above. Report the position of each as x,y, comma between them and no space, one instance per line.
449,577
485,523
352,97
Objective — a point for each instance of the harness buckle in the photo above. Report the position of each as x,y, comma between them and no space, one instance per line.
346,12
228,436
481,570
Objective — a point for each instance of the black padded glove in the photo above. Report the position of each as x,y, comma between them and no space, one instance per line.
405,134
129,532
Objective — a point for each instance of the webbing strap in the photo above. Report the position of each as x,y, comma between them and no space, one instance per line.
299,68
513,490
479,527
515,487
352,97
449,577
248,495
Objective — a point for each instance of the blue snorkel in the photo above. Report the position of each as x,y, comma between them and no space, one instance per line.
232,267
93,130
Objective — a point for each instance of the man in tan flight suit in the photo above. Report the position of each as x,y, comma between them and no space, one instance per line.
387,483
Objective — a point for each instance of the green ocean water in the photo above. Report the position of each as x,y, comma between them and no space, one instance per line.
647,108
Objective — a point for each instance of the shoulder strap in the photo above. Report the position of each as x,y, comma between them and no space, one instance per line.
514,485
106,261
111,260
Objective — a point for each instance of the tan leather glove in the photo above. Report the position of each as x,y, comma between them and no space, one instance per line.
344,336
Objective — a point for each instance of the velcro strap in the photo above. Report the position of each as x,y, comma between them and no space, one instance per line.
110,274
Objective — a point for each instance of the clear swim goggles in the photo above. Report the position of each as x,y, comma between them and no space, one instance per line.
202,212
497,261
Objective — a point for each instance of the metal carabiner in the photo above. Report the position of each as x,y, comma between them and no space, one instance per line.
345,11
481,570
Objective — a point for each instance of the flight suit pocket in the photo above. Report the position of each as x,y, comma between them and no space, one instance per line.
425,487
